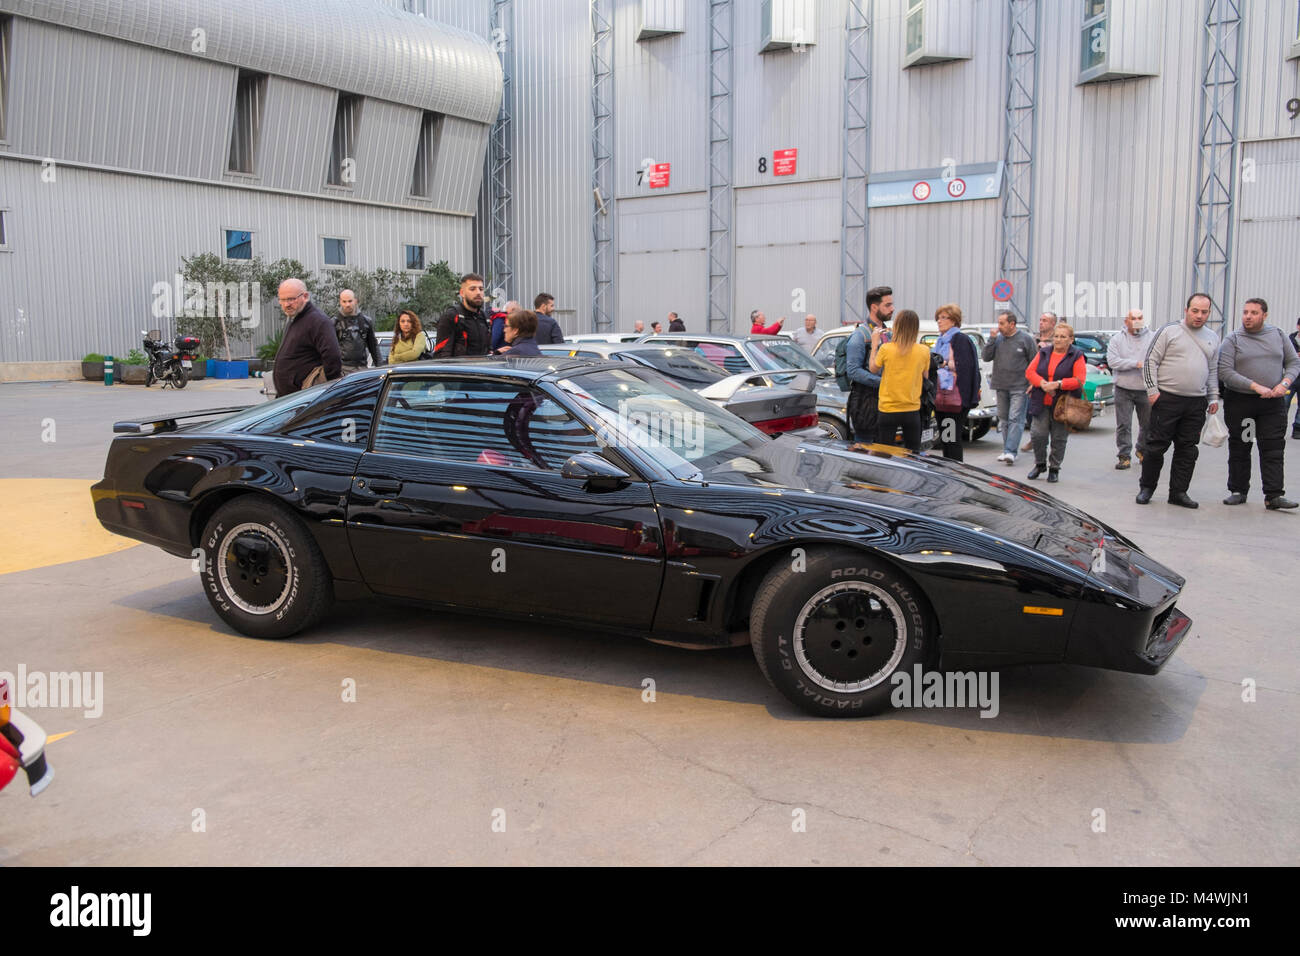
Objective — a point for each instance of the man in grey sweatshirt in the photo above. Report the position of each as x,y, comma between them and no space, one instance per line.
1182,383
1257,365
1125,352
1010,351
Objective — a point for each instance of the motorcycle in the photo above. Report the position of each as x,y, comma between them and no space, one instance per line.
169,364
22,746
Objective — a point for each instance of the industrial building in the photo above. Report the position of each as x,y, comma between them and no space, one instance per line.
632,157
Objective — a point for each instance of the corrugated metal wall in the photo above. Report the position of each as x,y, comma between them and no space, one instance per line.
86,258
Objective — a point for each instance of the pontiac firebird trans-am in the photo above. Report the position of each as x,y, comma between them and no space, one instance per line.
624,501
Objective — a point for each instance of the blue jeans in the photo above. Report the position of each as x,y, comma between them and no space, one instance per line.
1011,417
1293,394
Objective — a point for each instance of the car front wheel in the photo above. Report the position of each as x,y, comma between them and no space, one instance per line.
830,631
262,571
833,428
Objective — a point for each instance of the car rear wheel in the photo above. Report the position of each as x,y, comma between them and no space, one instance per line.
977,430
831,636
832,427
262,571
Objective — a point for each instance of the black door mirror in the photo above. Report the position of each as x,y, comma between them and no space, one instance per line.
595,471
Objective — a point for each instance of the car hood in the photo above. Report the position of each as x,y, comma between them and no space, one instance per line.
953,493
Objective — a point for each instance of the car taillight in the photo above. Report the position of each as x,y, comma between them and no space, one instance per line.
778,426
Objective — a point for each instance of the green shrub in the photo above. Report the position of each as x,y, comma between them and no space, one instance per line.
134,357
93,357
267,352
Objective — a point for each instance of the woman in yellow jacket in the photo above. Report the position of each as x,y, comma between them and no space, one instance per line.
409,341
902,364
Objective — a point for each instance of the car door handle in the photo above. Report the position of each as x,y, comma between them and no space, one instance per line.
381,486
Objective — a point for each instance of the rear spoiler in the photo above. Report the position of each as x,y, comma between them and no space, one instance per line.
803,380
151,426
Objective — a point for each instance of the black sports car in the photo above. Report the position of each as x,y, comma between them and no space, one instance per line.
670,518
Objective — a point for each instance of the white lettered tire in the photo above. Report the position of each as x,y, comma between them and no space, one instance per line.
830,636
262,571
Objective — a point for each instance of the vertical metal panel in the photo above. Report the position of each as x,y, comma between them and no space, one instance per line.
788,99
921,117
295,142
53,314
80,97
551,176
1269,79
660,103
661,260
1268,232
386,150
657,17
1115,191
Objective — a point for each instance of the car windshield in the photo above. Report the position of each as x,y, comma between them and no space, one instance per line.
685,365
687,435
777,355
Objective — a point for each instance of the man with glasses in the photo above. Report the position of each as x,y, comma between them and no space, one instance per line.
309,350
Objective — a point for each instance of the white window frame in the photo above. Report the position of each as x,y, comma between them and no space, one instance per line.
225,247
1089,24
347,241
1294,53
421,245
913,7
4,230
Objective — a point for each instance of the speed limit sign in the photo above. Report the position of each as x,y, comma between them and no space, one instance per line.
956,188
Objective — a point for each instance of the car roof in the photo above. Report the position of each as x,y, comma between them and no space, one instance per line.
524,367
664,337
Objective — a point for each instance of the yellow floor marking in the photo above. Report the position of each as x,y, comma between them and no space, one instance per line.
50,738
45,521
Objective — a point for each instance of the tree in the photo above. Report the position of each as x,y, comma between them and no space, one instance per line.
434,291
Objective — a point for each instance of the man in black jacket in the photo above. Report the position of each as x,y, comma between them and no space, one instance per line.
356,334
309,341
463,329
548,330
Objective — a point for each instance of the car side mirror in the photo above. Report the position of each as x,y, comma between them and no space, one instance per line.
597,472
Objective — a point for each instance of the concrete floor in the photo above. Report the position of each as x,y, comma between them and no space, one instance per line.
459,723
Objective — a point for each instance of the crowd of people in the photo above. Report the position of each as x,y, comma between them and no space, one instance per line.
1170,379
316,348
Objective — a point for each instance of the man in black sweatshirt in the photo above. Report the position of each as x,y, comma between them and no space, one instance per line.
309,341
463,329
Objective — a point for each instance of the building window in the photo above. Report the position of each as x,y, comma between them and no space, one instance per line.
250,97
418,7
4,235
5,26
915,27
336,252
426,155
343,149
239,244
1093,49
661,18
1295,43
415,258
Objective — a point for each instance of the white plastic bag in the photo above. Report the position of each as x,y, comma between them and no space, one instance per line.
1214,433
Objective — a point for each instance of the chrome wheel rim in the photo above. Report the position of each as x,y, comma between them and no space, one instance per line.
849,637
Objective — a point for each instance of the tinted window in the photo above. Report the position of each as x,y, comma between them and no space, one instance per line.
825,354
480,422
776,354
724,356
268,416
343,415
685,365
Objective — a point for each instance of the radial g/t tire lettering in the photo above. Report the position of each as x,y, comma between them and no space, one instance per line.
262,571
830,637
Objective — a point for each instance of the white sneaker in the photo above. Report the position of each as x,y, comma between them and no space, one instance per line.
1004,457
1011,459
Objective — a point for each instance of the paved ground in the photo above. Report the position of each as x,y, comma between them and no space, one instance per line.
459,723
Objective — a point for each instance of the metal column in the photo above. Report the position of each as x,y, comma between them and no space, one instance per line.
720,169
856,161
1217,163
1017,262
501,230
602,170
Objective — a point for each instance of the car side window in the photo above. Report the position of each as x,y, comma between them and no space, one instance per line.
724,356
479,422
826,351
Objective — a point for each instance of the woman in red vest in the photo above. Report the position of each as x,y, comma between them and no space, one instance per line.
1060,371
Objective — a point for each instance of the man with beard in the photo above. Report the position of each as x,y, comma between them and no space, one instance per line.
463,328
864,393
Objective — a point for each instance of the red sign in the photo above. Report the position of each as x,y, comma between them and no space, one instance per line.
784,162
921,191
956,188
659,175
